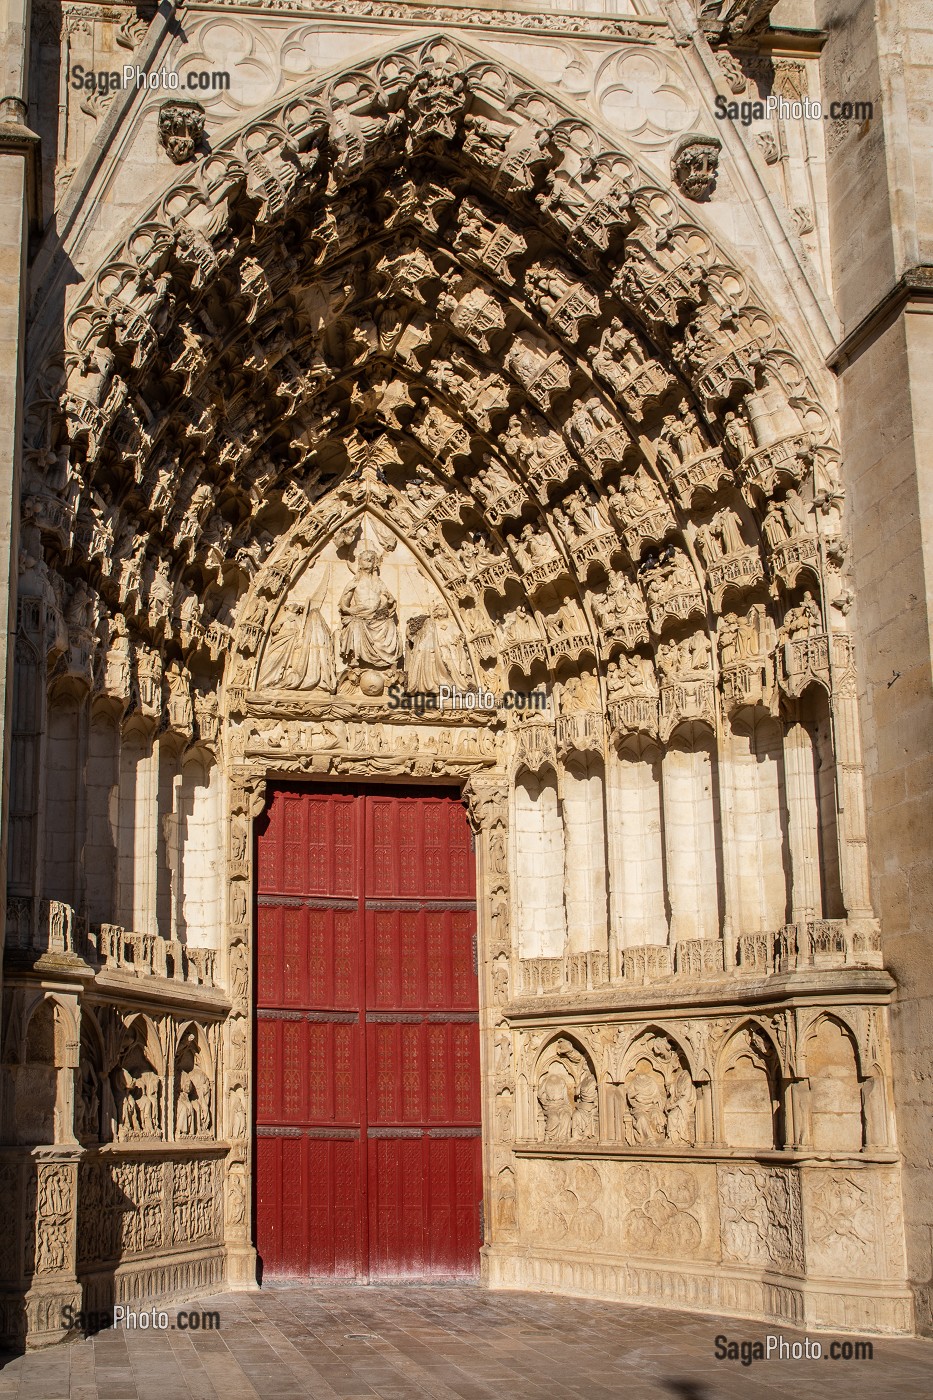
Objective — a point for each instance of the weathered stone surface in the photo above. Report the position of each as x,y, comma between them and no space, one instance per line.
412,377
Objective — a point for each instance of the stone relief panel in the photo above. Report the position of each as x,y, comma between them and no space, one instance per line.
361,623
563,1202
653,1211
761,1215
566,1094
650,1096
842,1210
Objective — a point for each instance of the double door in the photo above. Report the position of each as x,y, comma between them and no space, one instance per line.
368,1141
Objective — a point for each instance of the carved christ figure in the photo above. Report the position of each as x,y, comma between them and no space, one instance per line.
369,636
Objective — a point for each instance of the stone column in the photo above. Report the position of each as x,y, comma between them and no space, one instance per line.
246,801
20,198
690,840
850,801
801,819
725,751
487,803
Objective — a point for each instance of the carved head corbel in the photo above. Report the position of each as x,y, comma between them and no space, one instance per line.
695,164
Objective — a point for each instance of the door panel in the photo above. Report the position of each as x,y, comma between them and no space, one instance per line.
368,1147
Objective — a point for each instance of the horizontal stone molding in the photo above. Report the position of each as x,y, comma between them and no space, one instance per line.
885,1308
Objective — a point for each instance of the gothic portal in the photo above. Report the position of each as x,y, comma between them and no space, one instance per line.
461,351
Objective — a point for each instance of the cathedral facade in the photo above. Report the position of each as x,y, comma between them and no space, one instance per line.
469,658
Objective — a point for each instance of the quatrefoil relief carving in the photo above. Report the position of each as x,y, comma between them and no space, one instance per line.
644,95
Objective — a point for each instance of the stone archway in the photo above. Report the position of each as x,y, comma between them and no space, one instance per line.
423,308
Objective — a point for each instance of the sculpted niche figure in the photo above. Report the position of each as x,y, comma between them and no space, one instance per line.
300,653
369,635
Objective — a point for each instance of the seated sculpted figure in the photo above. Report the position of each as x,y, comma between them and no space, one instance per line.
369,635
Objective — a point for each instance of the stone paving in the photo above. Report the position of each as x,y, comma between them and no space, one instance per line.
449,1343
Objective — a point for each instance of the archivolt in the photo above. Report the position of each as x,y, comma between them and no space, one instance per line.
428,287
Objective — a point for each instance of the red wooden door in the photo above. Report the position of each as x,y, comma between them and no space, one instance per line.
368,1147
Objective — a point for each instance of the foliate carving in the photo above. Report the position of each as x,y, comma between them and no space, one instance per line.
724,21
694,165
566,1094
842,1227
760,1215
661,1210
567,1201
181,128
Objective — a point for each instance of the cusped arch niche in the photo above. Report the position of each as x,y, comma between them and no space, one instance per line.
749,1090
651,1097
565,1093
831,1059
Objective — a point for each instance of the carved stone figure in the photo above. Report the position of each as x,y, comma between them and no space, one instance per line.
435,653
300,651
567,1096
738,435
587,421
631,676
802,620
179,708
118,661
369,635
181,127
694,165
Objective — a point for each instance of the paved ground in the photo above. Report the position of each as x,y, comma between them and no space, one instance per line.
454,1343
